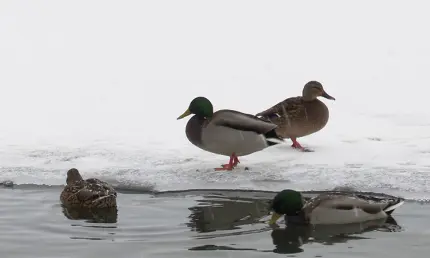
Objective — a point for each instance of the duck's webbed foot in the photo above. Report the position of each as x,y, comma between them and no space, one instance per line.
297,145
232,164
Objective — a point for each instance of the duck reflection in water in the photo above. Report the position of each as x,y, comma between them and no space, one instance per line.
291,238
91,215
221,213
240,216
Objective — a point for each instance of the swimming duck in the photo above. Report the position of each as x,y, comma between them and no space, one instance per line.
89,193
300,116
331,208
227,132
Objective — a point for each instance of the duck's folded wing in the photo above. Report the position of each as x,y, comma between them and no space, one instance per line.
241,121
101,185
315,202
95,181
371,208
288,106
352,203
86,194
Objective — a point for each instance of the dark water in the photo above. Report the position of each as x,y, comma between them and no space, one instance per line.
193,224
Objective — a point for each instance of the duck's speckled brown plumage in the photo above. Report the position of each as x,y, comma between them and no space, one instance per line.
299,116
89,193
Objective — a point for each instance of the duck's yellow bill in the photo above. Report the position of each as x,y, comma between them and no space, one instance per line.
275,217
186,113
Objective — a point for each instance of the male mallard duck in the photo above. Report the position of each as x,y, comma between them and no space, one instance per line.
300,116
332,208
89,193
227,132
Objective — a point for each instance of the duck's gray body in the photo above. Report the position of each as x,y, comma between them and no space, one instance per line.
229,131
347,208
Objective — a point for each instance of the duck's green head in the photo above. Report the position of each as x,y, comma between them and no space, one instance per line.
199,106
287,202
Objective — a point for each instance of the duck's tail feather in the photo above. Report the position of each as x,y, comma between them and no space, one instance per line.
394,205
272,138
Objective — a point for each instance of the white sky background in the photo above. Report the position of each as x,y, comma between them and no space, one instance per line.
122,66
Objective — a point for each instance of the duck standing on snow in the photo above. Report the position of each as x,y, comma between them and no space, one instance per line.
300,116
227,132
331,208
89,193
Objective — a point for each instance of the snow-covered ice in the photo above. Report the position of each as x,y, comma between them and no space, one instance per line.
98,85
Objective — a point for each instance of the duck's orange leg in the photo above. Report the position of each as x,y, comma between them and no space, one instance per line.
297,145
232,164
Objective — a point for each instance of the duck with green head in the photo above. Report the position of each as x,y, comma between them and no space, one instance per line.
300,116
227,132
331,208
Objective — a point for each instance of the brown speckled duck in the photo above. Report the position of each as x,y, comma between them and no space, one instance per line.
300,116
227,132
89,193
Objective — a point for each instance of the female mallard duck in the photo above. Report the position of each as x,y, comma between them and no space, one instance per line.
300,116
227,132
89,193
331,208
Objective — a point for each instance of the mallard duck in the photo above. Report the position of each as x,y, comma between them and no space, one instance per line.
89,193
300,116
227,132
331,208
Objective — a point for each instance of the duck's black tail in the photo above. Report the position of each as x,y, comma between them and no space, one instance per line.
272,138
